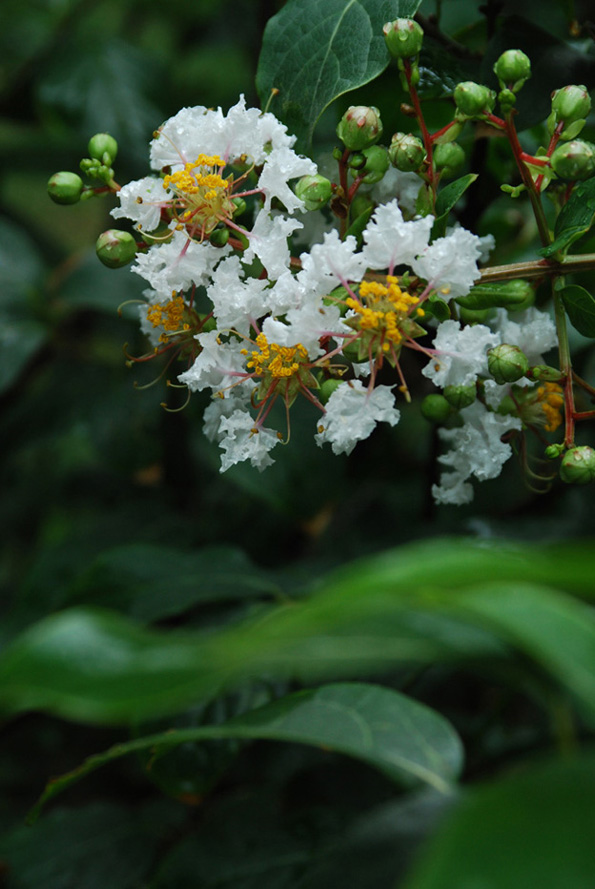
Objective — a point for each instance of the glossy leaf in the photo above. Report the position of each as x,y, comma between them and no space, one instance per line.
534,827
343,44
446,200
575,218
580,307
404,739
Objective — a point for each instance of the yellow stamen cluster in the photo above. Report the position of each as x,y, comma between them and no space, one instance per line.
381,308
169,316
551,399
194,180
279,361
203,196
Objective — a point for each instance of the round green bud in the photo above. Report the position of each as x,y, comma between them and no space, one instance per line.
570,103
436,408
574,160
103,147
314,191
240,206
327,387
460,396
404,38
219,237
115,248
512,69
65,188
406,152
449,158
360,127
376,163
474,99
578,466
507,363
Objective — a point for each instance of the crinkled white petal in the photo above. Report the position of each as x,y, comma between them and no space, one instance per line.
142,201
268,242
532,331
233,400
236,302
450,263
282,165
391,241
304,325
352,413
329,264
179,263
217,366
463,354
240,440
477,451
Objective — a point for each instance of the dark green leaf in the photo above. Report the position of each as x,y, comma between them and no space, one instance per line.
315,52
531,828
358,225
575,218
580,306
446,200
405,740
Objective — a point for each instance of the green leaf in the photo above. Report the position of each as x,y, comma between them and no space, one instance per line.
446,200
405,740
531,828
507,294
580,307
315,52
575,219
358,225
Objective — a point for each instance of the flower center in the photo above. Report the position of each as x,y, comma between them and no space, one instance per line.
170,316
203,195
381,310
551,399
279,362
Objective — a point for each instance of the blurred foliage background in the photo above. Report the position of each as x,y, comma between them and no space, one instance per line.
103,492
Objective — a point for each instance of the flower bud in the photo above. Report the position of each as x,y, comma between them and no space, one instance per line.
507,363
376,163
219,237
240,206
115,248
360,127
553,451
570,103
449,158
406,152
574,160
65,188
473,99
436,408
460,396
314,191
578,466
404,38
512,69
546,374
327,387
103,147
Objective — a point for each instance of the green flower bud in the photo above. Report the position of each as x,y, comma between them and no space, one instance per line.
578,466
512,69
104,148
240,206
545,374
360,127
449,158
574,160
507,363
436,408
406,152
65,188
219,237
327,387
460,396
404,38
376,163
473,99
570,103
553,451
115,248
314,191
507,100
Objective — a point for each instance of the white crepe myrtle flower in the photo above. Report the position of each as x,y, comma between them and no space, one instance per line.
218,366
450,263
267,241
178,264
396,184
236,300
142,201
331,263
352,413
460,354
242,440
532,331
391,240
477,451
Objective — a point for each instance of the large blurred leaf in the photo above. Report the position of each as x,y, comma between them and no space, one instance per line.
531,828
580,307
426,603
405,740
315,52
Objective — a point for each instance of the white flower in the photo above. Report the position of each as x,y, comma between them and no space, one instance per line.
352,413
450,263
532,331
268,242
462,354
218,365
396,184
281,165
236,302
142,201
242,440
178,264
331,263
391,241
478,451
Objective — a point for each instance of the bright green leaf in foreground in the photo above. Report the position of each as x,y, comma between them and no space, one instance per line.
404,739
344,45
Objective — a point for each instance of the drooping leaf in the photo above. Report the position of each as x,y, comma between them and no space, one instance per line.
315,52
580,307
404,739
446,200
531,828
574,220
